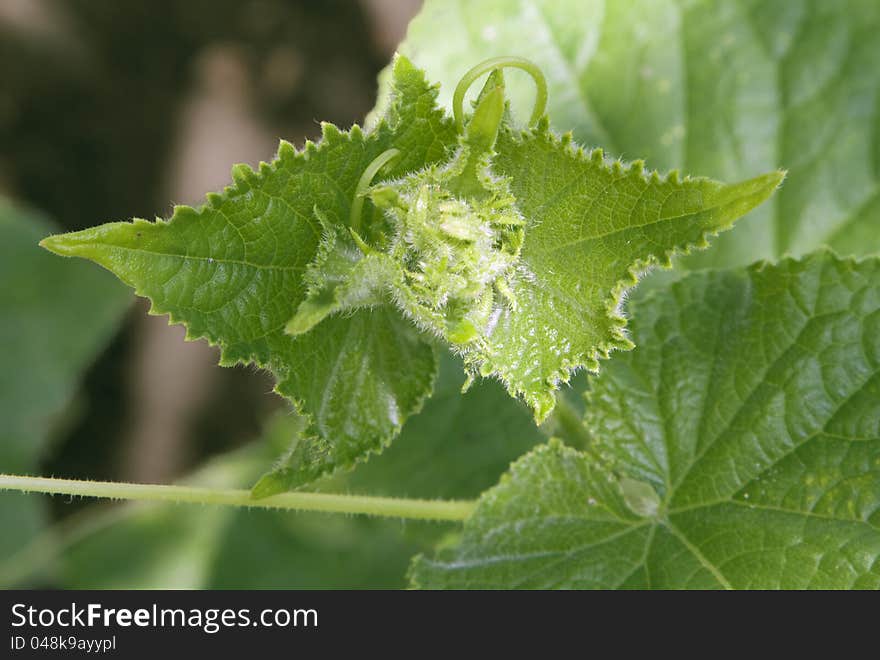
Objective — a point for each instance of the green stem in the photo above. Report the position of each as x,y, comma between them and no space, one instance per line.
571,424
499,63
330,503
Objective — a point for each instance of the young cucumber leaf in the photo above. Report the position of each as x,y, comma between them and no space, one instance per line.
592,227
455,237
724,88
737,447
232,272
513,247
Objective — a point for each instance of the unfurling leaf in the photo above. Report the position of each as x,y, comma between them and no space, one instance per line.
592,227
513,247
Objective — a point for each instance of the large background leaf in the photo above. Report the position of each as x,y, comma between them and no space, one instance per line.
456,447
726,89
55,316
737,447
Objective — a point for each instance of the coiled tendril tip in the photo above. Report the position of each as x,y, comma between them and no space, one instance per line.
507,61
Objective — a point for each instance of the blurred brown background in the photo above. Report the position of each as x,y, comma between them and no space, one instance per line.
111,110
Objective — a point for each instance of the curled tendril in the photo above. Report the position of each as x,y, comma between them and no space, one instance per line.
357,204
500,63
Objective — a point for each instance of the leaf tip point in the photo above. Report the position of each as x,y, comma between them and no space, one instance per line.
58,244
761,187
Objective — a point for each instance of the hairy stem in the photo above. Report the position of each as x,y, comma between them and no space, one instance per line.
326,502
571,424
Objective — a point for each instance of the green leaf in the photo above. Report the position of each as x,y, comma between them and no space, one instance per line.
456,447
737,447
232,272
55,317
592,228
719,87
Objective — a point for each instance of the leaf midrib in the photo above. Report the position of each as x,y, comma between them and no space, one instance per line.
754,506
209,260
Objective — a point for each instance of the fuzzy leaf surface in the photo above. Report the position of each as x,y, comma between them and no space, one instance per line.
737,447
538,298
592,227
